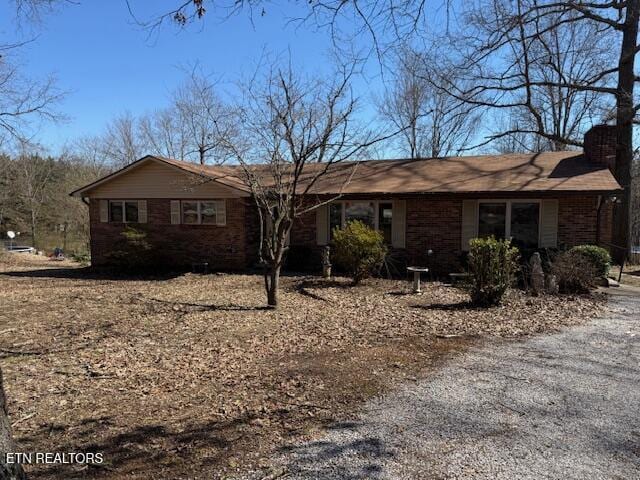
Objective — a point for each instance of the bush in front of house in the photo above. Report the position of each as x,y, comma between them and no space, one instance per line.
597,256
492,267
574,272
132,251
359,250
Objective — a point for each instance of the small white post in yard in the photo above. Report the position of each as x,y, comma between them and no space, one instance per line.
416,277
11,234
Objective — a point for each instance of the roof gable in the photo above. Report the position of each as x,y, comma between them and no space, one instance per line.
156,177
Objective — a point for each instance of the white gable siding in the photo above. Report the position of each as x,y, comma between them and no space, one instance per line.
153,179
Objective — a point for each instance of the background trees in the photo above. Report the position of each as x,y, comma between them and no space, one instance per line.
544,74
430,122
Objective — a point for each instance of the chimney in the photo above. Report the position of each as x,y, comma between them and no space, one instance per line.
600,145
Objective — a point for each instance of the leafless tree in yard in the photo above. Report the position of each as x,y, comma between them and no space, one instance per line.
295,131
431,122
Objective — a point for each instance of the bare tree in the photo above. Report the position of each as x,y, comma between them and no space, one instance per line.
303,129
122,144
8,471
207,120
90,151
431,122
23,100
385,23
527,29
31,181
165,133
533,71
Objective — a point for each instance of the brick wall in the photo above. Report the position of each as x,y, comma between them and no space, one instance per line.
577,221
223,247
436,224
432,223
600,145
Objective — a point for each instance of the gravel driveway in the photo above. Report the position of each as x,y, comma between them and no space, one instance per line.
562,406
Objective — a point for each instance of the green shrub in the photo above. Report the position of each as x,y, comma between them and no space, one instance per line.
574,272
597,256
358,250
132,251
492,267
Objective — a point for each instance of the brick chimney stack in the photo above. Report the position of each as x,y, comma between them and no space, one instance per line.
600,145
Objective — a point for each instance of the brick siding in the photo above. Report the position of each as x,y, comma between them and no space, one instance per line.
600,145
432,223
223,247
577,221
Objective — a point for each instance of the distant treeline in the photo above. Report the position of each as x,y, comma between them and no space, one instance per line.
35,201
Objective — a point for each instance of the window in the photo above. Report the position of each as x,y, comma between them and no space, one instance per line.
190,212
363,211
378,215
385,215
518,220
206,212
492,219
335,217
123,211
524,224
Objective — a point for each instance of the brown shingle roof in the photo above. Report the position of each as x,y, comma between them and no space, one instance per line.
517,172
551,171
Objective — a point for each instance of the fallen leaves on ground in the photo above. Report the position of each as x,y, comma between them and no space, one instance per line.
190,376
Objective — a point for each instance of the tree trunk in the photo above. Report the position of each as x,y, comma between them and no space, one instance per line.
33,229
272,284
11,471
624,121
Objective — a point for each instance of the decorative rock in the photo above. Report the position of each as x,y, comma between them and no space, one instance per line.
552,285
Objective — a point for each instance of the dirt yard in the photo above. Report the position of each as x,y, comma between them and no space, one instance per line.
191,377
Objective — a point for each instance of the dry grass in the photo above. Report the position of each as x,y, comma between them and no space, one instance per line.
190,377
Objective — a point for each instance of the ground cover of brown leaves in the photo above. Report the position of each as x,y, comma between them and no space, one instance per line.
189,376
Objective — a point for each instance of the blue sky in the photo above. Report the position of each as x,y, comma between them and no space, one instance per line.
110,65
